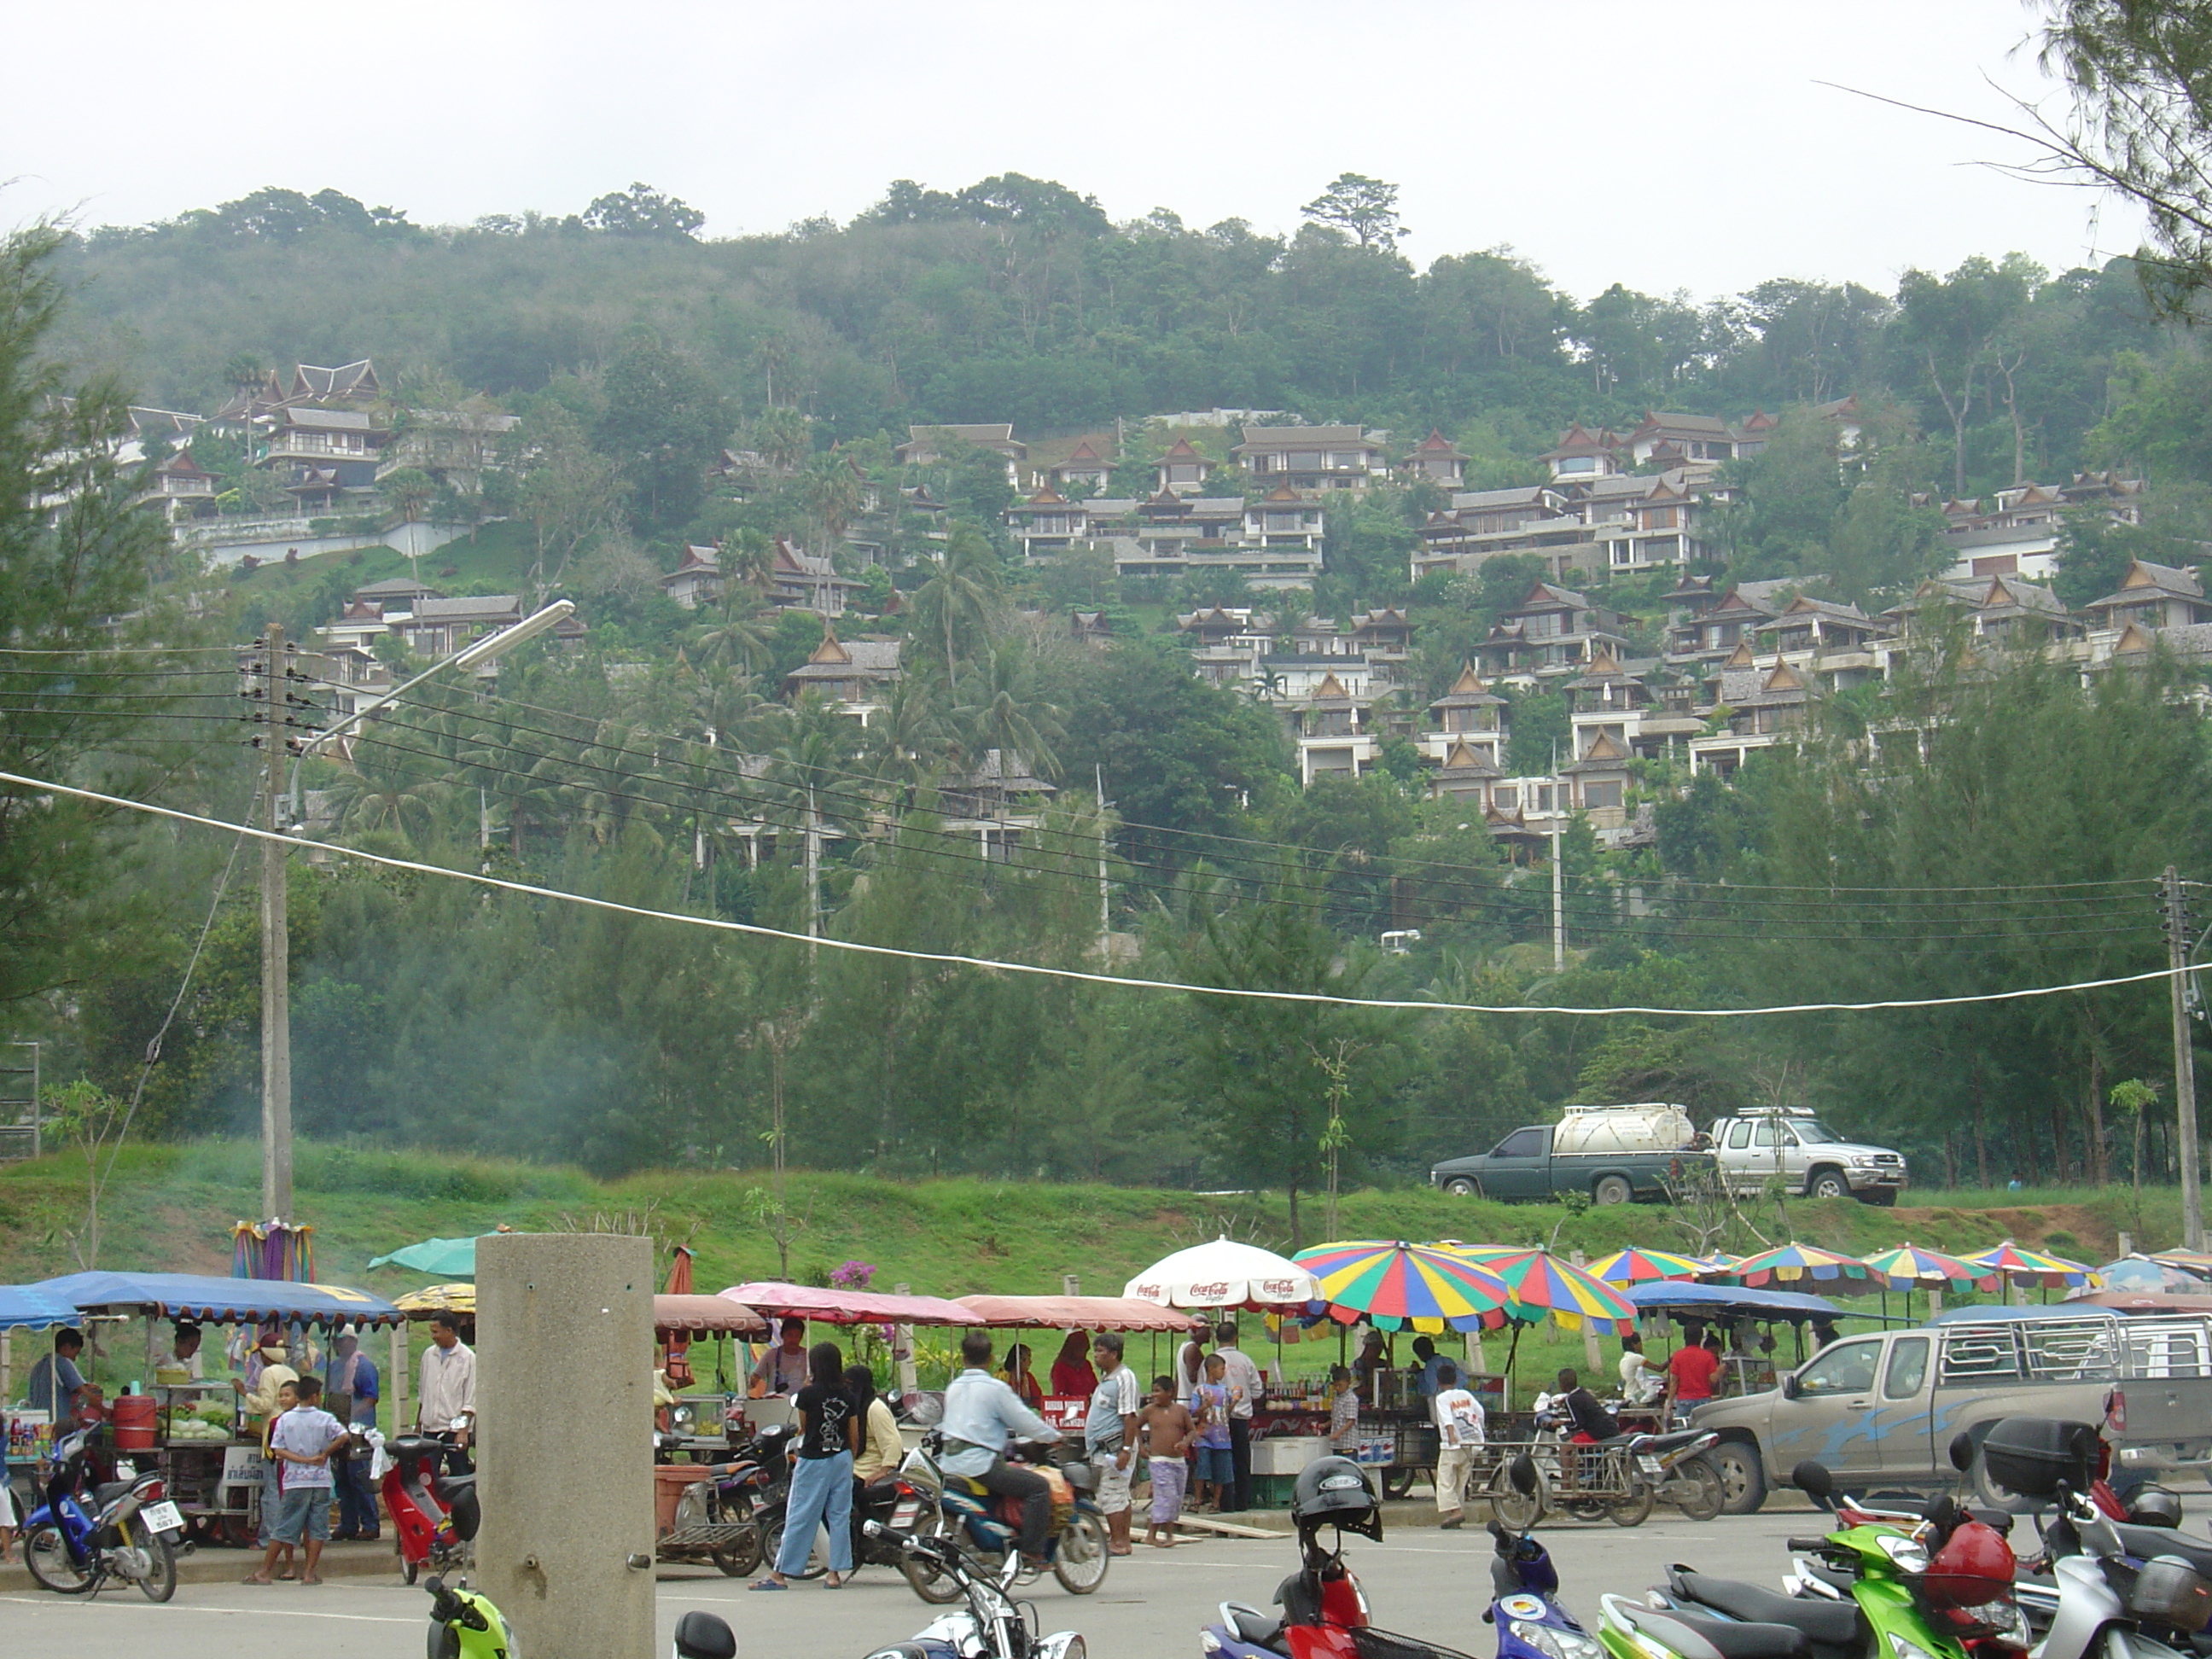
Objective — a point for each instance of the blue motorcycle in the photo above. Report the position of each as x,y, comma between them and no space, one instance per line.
986,1526
1524,1603
79,1539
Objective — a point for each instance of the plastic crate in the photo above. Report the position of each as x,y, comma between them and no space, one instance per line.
1273,1491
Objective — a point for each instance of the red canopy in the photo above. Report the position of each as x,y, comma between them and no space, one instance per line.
693,1315
1079,1313
834,1307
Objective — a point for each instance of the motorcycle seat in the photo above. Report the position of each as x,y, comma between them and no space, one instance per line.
450,1486
1827,1623
1252,1627
2146,1541
1665,1442
108,1491
1691,1635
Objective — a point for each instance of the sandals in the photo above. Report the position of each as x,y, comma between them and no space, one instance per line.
767,1584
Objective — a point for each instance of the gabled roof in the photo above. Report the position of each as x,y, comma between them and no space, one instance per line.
1741,657
1330,687
1784,678
1180,450
1083,451
1467,691
2132,642
356,380
1542,596
1436,445
1703,427
1604,754
1047,496
1579,440
1302,437
1282,493
483,607
1463,759
830,650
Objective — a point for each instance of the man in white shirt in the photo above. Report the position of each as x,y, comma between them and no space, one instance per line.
1460,1431
1243,1377
1109,1436
446,1405
982,1413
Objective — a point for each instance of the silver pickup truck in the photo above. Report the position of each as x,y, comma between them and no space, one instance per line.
1881,1410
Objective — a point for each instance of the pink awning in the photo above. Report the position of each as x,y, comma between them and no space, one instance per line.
835,1307
1079,1313
705,1313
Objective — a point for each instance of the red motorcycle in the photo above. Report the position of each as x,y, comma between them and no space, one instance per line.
434,1516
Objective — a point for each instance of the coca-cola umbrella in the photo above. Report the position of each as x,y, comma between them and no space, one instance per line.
1226,1274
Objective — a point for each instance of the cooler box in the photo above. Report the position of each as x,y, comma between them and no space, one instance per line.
1287,1453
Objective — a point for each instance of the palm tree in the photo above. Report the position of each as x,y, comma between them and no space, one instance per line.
1006,714
749,556
960,600
615,780
736,634
375,791
906,739
832,490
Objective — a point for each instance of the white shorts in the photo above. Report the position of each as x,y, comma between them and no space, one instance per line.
1113,1483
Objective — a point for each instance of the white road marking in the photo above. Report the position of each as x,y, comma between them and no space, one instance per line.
187,1607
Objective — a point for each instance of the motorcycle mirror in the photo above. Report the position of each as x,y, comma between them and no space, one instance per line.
1962,1452
1813,1479
1522,1473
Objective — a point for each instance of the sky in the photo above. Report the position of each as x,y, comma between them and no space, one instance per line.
1683,147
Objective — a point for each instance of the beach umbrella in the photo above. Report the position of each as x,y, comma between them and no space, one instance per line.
1225,1274
2025,1267
1794,1263
1638,1266
1397,1286
1541,1283
2153,1276
1718,1269
438,1298
1909,1267
2195,1262
448,1258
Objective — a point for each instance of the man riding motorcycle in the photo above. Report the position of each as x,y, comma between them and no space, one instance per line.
981,1415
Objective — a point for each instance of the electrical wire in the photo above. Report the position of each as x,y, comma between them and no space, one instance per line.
952,959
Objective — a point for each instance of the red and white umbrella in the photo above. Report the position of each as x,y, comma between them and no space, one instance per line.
1225,1274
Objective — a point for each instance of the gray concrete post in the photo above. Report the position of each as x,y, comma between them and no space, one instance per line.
564,1421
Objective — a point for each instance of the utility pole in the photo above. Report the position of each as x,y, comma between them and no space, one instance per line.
1559,873
813,876
275,943
1105,913
2185,1062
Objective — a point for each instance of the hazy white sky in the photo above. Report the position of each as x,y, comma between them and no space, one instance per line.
1685,145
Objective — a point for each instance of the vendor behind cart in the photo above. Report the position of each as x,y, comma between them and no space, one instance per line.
782,1369
57,1386
445,1406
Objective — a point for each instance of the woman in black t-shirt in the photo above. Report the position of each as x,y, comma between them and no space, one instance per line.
829,1428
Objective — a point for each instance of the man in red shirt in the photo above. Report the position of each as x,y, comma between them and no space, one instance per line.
1692,1371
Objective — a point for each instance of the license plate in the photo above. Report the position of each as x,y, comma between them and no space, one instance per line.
902,1517
162,1517
1649,1465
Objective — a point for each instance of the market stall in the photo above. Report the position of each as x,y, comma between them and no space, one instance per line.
26,1435
1129,1315
194,1430
1735,1306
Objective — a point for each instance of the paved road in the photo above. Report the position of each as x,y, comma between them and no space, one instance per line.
1423,1582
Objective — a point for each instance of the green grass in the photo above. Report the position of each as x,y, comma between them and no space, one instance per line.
496,559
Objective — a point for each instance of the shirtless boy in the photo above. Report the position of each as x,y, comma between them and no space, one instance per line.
1164,1429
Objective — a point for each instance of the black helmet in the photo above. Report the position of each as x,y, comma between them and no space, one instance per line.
1335,1491
2154,1506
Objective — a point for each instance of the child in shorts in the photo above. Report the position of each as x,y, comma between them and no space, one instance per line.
1209,1407
1164,1429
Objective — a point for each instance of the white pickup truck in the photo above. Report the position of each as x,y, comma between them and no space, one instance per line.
1791,1145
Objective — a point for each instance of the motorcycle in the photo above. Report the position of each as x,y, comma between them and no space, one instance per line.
129,1531
434,1518
958,1509
1524,1600
1325,1614
465,1624
993,1625
1618,1479
2122,1591
1933,1583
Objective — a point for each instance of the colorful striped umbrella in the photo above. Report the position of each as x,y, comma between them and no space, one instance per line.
1639,1266
2025,1267
1791,1263
1718,1268
1910,1267
2197,1261
1542,1283
1395,1286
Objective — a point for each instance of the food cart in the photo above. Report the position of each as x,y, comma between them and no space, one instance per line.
26,1435
195,1431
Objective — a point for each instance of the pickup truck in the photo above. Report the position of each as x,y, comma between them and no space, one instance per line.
1524,1165
1807,1157
1881,1410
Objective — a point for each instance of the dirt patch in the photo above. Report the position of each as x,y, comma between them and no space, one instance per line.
2093,1236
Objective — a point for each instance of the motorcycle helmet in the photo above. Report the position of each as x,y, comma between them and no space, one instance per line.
2154,1506
1335,1491
1973,1568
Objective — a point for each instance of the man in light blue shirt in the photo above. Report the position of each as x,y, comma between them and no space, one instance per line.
982,1413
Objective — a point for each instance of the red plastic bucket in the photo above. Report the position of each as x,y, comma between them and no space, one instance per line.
133,1415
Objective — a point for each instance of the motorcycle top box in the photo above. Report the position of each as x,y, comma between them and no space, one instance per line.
2032,1456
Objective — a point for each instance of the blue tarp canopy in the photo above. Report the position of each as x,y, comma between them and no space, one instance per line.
222,1301
1730,1300
444,1258
24,1306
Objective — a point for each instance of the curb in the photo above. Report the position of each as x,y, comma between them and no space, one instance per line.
211,1565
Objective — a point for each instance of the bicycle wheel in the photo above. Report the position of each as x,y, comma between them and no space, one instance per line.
45,1552
1080,1562
1514,1508
160,1583
1633,1509
1694,1488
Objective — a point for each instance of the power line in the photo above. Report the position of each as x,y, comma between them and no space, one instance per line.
532,891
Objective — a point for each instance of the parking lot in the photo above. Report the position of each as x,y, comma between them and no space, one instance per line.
1421,1581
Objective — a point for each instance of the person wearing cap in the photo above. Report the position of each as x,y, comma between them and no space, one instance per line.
350,1395
270,1376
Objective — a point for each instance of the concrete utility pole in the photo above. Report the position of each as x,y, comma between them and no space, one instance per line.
2185,1062
276,949
1558,871
813,875
1105,911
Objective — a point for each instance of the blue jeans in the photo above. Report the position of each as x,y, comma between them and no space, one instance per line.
820,1492
272,1500
356,1498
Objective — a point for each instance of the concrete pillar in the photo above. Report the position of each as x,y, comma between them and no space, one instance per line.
564,1420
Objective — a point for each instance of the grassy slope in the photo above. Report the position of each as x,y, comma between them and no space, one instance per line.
495,560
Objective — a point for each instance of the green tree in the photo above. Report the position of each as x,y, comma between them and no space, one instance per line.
1363,209
661,425
641,210
954,610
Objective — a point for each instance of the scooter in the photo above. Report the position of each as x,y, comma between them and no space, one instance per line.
129,1531
993,1625
988,1526
434,1518
465,1624
1525,1602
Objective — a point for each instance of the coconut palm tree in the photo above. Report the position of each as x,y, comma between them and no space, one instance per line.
960,601
734,634
374,791
1004,712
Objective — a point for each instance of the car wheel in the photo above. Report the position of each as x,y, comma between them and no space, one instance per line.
1613,1189
1992,1494
1827,1183
1463,1186
1743,1482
